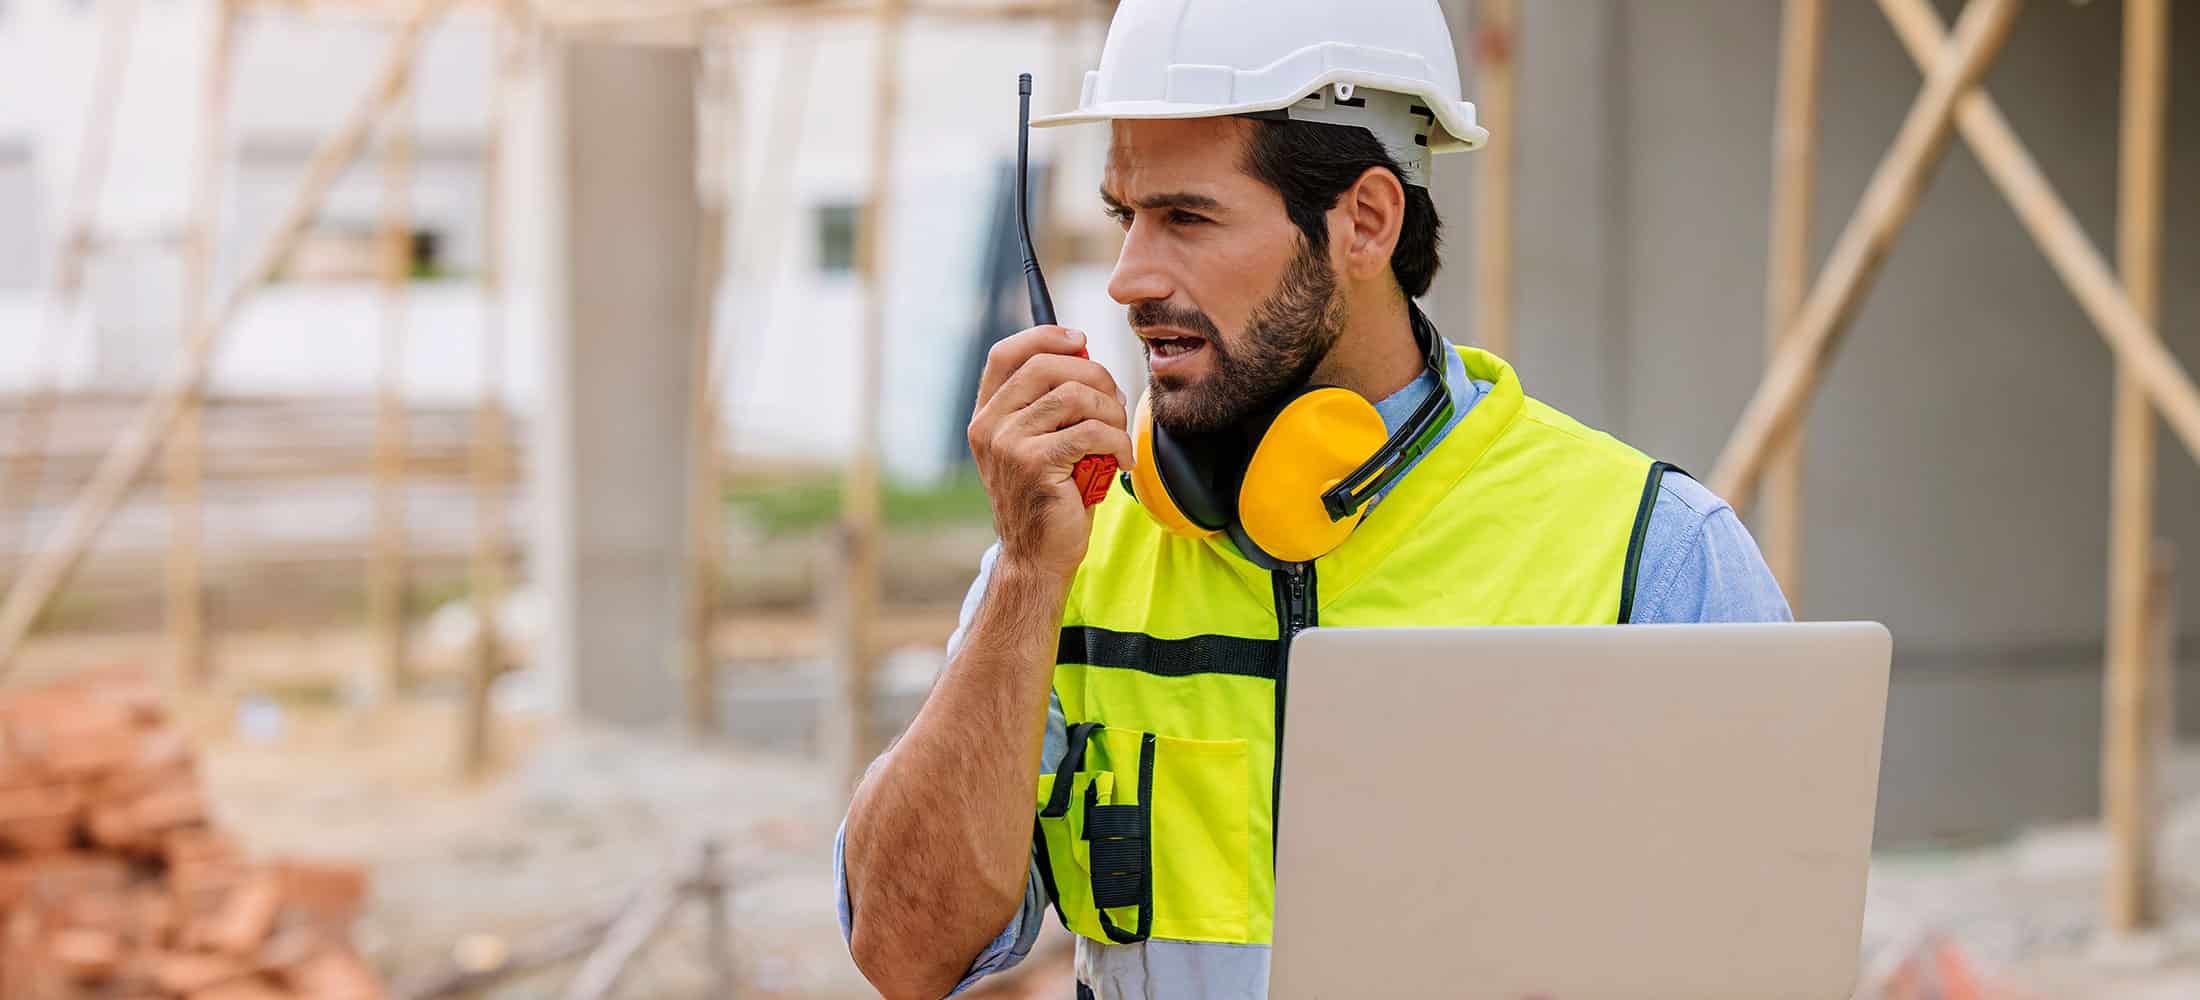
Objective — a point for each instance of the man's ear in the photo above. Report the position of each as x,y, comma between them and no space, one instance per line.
1373,211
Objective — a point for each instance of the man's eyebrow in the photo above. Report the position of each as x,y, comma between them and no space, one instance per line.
1172,199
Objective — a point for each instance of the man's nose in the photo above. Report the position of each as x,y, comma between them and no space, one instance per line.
1138,275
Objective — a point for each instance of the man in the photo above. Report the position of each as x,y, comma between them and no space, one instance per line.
1119,672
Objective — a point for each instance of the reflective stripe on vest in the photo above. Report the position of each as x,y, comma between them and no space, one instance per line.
1174,655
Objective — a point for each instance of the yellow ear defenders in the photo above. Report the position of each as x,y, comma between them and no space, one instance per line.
1291,487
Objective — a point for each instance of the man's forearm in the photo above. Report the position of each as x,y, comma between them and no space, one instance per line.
939,835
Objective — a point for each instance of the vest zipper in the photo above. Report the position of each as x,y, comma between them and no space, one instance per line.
1295,613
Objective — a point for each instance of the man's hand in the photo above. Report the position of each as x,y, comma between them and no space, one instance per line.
1041,409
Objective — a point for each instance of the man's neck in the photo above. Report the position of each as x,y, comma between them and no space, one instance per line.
1377,354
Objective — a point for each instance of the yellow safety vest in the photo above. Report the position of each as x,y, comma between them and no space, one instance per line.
1173,663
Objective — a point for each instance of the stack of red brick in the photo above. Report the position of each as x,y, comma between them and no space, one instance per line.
114,883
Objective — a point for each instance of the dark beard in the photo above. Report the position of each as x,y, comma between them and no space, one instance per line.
1287,337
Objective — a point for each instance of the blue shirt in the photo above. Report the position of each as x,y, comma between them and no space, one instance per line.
1699,564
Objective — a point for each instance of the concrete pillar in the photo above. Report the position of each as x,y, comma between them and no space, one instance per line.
614,448
1570,341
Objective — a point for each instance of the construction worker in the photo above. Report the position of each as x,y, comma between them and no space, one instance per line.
1103,739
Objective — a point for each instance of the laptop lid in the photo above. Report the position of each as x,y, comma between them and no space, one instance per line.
1631,811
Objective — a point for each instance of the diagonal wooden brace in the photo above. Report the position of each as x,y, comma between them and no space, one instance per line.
1889,199
120,467
2137,345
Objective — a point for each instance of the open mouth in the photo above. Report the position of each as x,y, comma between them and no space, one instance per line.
1172,347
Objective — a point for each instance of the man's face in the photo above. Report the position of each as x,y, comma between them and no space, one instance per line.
1231,305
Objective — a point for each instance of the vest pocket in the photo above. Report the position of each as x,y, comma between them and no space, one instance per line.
1203,845
1141,834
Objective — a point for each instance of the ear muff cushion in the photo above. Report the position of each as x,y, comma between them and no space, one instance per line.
1159,464
1315,442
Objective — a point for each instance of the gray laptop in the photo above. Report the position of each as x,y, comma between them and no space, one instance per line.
1643,811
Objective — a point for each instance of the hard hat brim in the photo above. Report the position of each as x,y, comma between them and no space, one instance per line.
1456,129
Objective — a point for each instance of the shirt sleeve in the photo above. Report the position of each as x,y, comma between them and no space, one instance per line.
1014,942
1699,563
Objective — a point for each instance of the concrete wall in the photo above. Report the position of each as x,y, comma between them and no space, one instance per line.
1959,450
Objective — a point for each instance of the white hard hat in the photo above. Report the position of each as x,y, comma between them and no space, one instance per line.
1384,65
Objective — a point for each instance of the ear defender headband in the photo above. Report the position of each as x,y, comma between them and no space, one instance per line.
1291,489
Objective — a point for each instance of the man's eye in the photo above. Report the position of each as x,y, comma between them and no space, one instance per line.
1122,216
1183,218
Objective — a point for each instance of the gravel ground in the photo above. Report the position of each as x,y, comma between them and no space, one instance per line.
581,818
2026,915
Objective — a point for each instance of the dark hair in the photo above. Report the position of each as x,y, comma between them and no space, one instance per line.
1312,163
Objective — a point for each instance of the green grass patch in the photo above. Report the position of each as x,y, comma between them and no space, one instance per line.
787,507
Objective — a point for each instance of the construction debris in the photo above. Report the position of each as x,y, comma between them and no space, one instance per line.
115,882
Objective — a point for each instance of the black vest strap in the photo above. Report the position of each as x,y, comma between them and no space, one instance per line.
1641,533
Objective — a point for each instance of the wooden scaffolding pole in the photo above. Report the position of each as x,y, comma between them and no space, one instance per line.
2044,215
855,621
699,668
770,194
1794,166
186,449
1059,242
64,292
2129,751
128,456
1496,36
386,559
1889,199
487,461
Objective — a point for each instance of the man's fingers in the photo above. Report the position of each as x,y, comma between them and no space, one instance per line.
1042,374
1091,437
1011,352
1065,405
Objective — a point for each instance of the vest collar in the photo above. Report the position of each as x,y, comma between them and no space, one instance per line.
1408,502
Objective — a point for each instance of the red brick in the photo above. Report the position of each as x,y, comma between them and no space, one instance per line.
126,786
68,872
246,916
168,808
17,770
39,834
102,908
40,827
185,972
152,917
40,801
34,720
84,952
42,719
110,827
196,844
198,878
89,752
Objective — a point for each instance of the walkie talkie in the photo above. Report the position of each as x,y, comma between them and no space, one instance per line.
1093,473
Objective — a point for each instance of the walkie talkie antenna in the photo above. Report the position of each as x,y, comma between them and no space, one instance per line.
1042,306
1093,473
